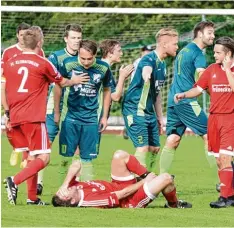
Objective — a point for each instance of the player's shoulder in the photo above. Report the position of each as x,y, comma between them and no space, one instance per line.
12,47
58,52
101,65
70,59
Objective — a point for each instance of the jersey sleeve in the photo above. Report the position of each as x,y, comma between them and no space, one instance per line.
112,84
52,73
146,61
102,200
200,61
54,60
3,78
203,81
63,70
108,78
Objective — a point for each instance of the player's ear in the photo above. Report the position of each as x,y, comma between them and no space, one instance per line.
65,39
229,54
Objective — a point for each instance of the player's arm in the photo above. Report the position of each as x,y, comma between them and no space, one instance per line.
227,63
194,92
73,171
129,190
106,107
146,73
57,97
124,73
159,112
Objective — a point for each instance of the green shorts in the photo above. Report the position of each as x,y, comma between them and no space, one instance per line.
73,135
142,130
190,115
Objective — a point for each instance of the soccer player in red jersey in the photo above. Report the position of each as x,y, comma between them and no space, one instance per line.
27,79
8,53
123,191
218,79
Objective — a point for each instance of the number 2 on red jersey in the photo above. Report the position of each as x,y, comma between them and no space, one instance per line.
24,71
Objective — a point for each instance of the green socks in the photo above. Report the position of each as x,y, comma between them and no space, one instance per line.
166,159
86,171
141,157
151,161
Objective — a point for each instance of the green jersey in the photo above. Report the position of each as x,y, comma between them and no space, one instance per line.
187,61
141,96
56,58
83,100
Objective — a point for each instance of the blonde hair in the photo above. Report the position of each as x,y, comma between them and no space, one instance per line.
165,32
32,36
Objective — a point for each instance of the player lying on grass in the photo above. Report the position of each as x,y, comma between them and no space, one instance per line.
123,191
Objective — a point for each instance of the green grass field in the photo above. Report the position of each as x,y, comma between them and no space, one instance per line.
195,182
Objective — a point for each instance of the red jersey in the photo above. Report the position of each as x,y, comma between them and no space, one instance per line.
221,94
14,50
100,193
27,79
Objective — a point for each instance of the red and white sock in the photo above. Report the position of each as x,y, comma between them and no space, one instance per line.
134,166
226,178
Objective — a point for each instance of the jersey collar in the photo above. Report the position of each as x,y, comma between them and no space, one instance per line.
18,47
78,58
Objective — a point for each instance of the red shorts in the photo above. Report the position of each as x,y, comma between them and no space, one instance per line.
30,136
221,134
140,199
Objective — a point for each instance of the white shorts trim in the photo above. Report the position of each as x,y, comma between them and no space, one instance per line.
18,150
130,177
36,152
227,152
147,192
211,153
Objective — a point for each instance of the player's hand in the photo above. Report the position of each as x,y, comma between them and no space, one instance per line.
227,63
178,97
7,122
102,124
160,125
125,72
57,118
63,192
80,79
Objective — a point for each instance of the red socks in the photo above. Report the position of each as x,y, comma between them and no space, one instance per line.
134,166
171,198
32,168
226,178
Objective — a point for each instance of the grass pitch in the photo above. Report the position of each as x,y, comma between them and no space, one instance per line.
195,182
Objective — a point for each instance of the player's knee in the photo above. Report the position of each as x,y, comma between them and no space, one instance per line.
45,158
120,154
173,141
224,161
167,178
154,149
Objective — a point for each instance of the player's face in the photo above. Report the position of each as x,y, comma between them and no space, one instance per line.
208,36
73,39
172,46
74,195
86,58
219,53
20,37
117,54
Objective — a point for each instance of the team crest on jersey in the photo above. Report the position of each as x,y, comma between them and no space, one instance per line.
96,78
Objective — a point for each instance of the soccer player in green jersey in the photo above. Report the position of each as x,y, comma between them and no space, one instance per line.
187,113
142,109
72,38
80,121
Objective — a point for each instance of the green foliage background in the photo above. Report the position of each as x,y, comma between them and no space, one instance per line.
133,30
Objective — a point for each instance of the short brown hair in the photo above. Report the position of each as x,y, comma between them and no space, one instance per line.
57,202
166,32
201,26
32,36
227,43
22,26
89,46
107,46
72,27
